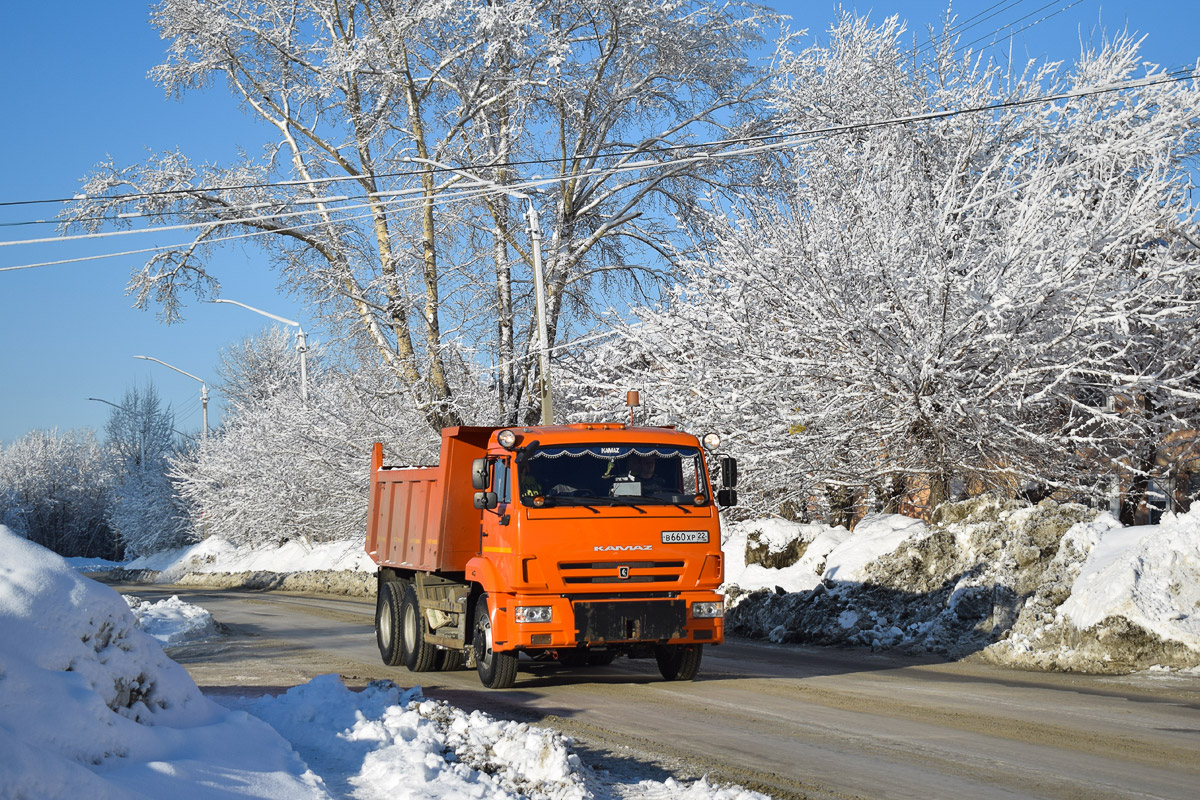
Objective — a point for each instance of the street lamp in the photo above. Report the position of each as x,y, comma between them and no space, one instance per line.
203,387
301,342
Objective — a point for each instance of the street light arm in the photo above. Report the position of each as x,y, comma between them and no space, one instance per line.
301,342
177,369
127,411
258,311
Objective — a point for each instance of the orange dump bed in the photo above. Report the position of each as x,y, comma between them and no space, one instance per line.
417,518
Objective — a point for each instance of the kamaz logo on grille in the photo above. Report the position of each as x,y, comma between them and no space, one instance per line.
622,572
600,548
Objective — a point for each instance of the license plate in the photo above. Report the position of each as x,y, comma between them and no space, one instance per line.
685,537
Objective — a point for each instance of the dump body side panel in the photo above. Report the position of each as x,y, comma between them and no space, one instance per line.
422,518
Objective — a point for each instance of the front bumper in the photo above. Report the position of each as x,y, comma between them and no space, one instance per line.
607,620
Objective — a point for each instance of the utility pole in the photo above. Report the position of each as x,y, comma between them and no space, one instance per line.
539,283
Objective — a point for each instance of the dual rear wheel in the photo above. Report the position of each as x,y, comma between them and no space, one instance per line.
400,632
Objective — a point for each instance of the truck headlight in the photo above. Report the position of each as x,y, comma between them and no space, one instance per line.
708,610
535,613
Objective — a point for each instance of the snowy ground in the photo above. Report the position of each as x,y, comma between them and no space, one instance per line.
1049,587
91,707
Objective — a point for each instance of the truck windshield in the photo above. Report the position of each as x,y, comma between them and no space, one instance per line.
613,475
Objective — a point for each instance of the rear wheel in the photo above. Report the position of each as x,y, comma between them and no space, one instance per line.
678,662
387,623
449,660
496,670
419,655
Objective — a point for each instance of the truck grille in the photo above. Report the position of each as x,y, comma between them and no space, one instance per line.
656,620
620,572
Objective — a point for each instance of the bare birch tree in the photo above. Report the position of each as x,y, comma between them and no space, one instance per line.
365,99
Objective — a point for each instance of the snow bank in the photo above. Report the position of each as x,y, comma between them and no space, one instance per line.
1051,587
90,706
172,621
388,743
217,555
341,568
94,564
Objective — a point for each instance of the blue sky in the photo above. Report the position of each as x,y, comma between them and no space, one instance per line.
75,90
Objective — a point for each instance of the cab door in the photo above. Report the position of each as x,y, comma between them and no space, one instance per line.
495,537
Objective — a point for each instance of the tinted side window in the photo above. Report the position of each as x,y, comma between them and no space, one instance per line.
501,485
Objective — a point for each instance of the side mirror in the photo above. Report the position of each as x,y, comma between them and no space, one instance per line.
727,497
728,472
486,500
479,474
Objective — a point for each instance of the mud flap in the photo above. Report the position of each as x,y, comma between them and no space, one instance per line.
631,620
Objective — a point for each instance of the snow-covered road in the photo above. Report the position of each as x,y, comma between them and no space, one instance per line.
786,720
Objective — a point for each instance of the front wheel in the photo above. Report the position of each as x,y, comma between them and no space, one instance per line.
678,662
496,670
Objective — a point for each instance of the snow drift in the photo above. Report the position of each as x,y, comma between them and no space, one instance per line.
1050,586
90,706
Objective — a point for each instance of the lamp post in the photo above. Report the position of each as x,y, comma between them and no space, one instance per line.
539,285
203,387
301,342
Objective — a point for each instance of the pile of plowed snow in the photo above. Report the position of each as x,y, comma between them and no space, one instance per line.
341,568
1050,586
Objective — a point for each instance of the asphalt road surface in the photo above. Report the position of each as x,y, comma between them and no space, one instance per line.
789,721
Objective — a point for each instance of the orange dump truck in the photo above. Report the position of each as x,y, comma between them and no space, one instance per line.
575,543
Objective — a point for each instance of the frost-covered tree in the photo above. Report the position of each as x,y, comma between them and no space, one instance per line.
361,98
55,490
279,469
146,512
982,301
261,367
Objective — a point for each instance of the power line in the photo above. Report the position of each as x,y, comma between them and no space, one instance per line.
968,23
1024,27
794,139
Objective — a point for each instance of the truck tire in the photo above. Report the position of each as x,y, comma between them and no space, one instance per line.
449,660
496,670
419,655
678,662
387,623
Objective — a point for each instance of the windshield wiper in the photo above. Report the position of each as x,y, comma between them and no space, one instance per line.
570,500
628,500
